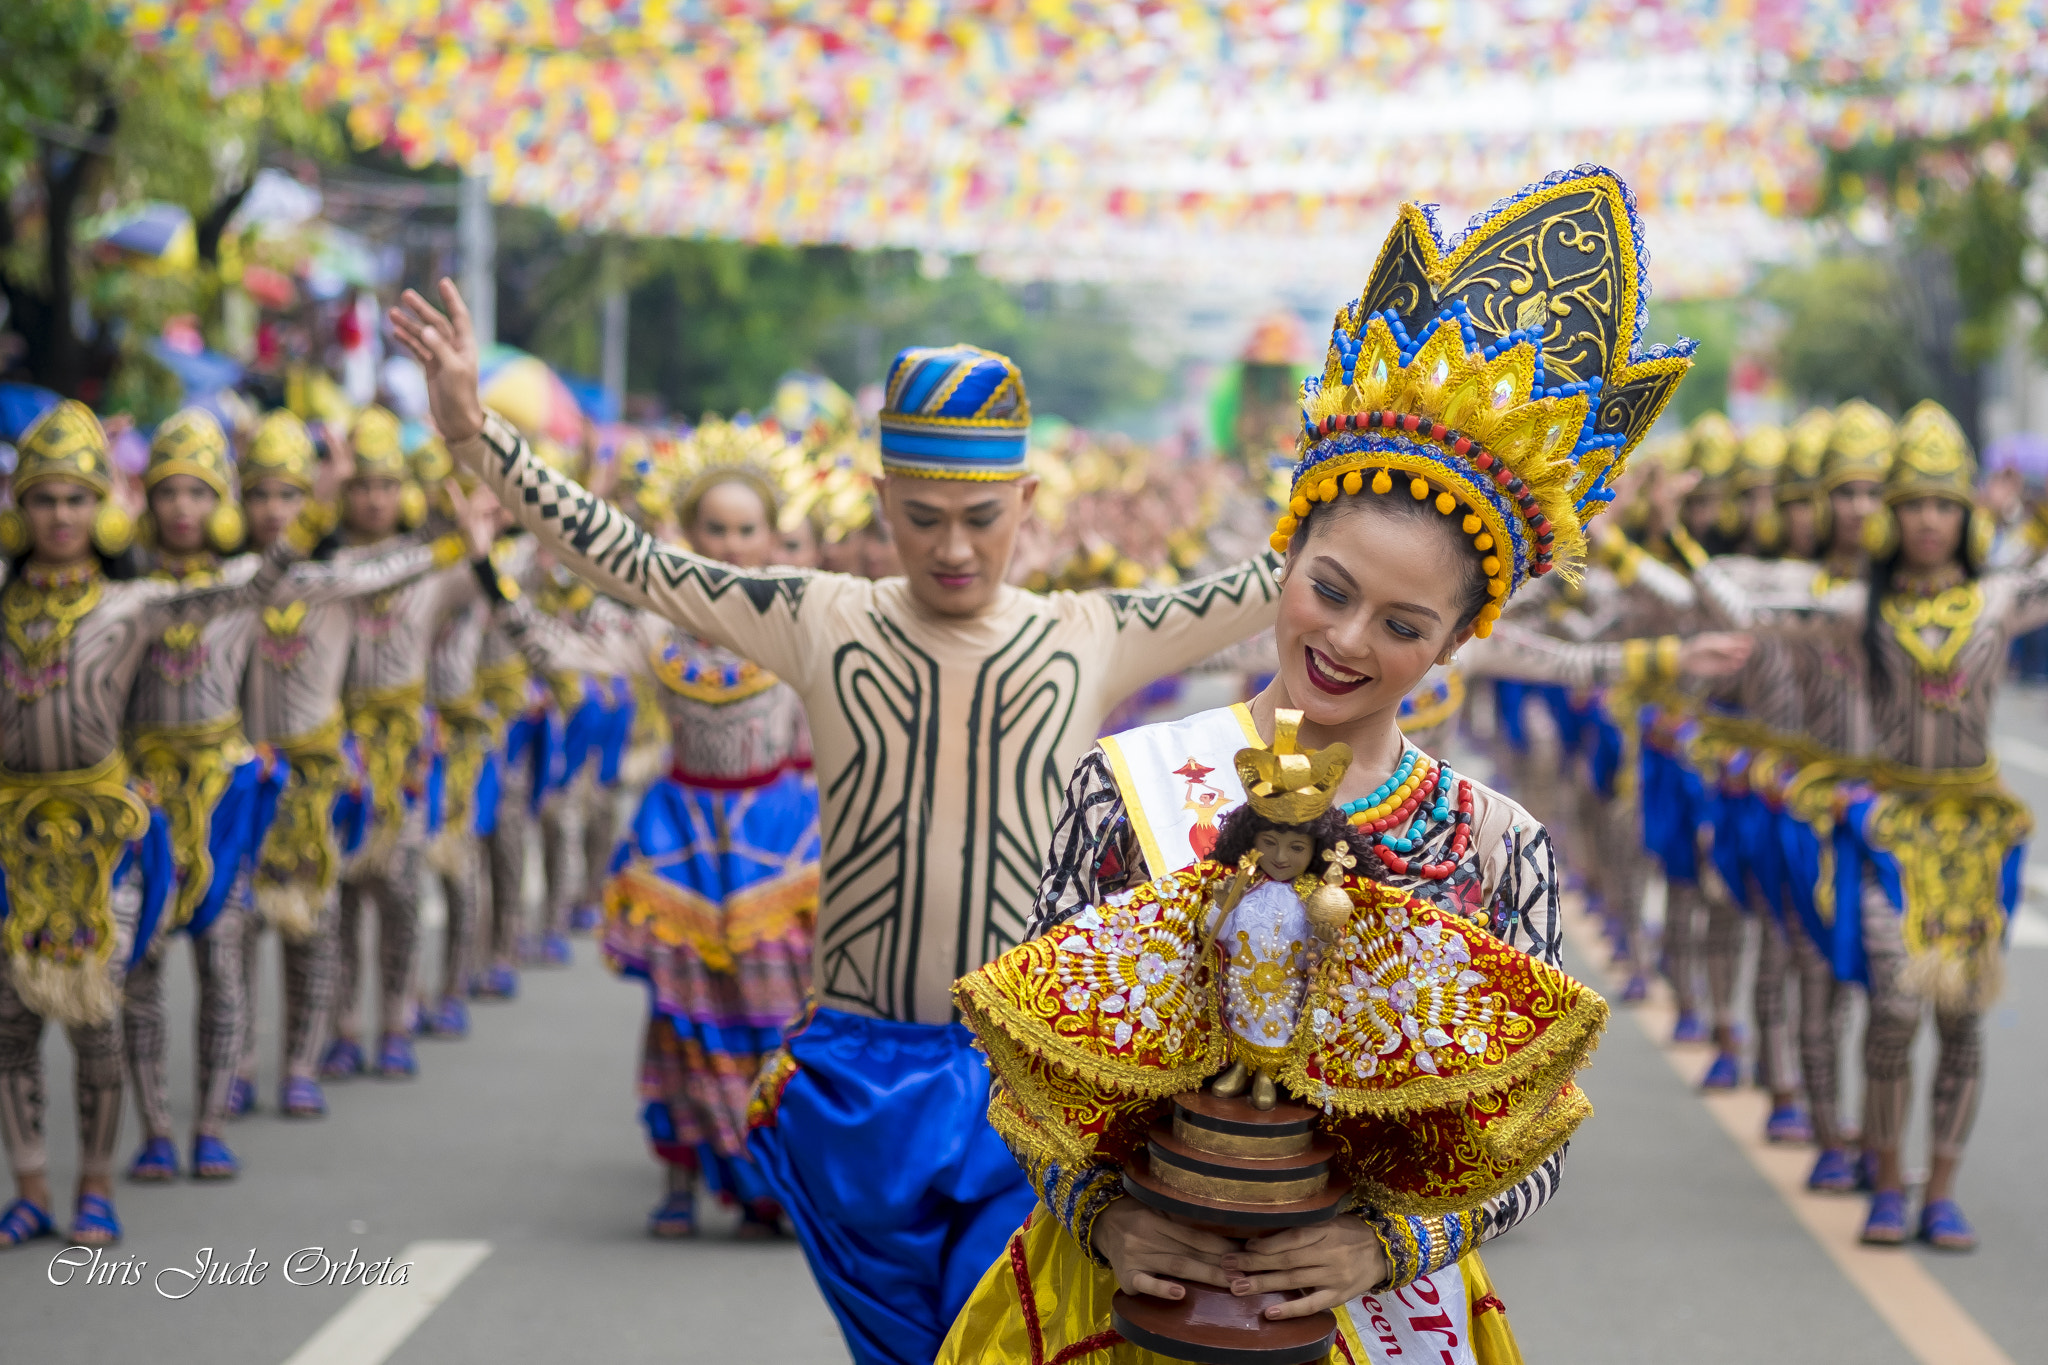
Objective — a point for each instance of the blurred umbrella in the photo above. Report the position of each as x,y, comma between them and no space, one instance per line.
201,372
530,396
20,405
155,231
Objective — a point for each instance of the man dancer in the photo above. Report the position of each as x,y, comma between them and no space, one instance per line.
291,700
946,708
385,695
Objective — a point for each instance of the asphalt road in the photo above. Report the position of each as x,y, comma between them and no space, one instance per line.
514,1158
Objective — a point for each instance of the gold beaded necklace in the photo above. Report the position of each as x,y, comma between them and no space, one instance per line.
62,597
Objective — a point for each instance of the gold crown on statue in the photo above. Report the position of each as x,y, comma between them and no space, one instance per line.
1289,784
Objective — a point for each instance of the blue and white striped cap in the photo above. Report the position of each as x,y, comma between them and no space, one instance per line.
954,412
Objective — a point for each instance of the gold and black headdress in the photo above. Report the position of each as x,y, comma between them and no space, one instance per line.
1500,375
190,442
68,443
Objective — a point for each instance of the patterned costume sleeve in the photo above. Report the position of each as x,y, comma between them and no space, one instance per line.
1154,634
204,603
1516,651
342,580
756,614
2027,609
1093,853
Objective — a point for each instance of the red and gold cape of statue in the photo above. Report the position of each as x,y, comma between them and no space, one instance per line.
1442,1058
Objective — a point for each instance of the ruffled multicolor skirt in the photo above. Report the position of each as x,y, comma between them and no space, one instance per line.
711,901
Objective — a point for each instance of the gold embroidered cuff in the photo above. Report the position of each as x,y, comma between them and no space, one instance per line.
1667,657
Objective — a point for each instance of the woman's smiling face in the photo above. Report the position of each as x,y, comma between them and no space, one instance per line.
1372,599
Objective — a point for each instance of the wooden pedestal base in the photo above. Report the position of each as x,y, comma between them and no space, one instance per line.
1218,1148
1216,1327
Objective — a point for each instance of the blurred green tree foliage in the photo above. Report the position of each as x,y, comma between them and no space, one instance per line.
713,324
88,123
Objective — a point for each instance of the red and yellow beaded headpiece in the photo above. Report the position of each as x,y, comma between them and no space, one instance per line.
1499,375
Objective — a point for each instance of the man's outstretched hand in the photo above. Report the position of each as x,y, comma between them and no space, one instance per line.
445,346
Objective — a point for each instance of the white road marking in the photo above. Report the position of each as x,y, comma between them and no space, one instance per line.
379,1318
1927,1320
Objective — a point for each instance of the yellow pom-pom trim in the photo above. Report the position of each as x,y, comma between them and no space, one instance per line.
1279,542
1473,523
1299,507
1483,629
1481,542
1446,504
1490,612
1491,564
1496,588
1328,489
1285,526
1353,482
1381,483
1419,486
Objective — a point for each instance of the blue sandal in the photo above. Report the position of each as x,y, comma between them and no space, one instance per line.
1724,1074
301,1098
585,918
1787,1123
94,1224
344,1057
1689,1029
499,983
211,1159
675,1216
25,1222
1943,1227
449,1019
1834,1172
395,1059
1886,1225
155,1163
241,1097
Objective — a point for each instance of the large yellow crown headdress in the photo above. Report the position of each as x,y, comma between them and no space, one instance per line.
1761,458
1287,783
377,440
190,442
1712,446
67,443
281,449
1806,445
742,451
1500,373
1933,458
1859,446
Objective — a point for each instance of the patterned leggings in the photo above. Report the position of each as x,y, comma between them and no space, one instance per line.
1823,1001
1622,867
96,1079
1888,1045
506,849
583,819
396,892
217,957
1777,1068
308,993
460,889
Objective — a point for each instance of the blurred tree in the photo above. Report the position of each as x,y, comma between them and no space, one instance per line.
89,122
1715,325
714,324
1849,332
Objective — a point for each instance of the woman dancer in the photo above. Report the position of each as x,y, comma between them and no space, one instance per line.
1424,497
715,887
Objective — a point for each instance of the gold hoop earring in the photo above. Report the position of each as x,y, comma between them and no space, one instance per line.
1880,534
13,533
412,506
225,527
113,530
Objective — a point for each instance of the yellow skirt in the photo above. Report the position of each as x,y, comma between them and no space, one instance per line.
1046,1302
